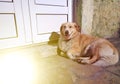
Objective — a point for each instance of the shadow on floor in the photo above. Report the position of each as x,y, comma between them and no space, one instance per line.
53,39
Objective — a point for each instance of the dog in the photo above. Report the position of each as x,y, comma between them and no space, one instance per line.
84,48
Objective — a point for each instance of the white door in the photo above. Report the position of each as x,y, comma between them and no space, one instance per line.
47,16
11,24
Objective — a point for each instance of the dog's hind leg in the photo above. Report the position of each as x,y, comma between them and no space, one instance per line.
93,59
91,51
108,56
101,63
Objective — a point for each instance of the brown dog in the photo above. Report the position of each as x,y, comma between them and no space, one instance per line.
84,48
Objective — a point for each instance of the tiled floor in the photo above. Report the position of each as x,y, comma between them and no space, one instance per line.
40,64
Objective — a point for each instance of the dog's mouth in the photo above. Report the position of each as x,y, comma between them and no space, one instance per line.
67,35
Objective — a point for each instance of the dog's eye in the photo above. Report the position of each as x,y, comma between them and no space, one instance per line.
64,26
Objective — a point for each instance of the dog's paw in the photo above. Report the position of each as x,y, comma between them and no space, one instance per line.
85,61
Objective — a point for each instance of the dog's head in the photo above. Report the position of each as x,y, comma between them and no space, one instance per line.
68,30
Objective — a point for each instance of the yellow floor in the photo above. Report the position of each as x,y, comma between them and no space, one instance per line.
40,64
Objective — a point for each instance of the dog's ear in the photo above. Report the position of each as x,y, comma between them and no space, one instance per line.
61,29
77,27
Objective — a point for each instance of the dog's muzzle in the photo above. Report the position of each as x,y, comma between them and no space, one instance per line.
66,33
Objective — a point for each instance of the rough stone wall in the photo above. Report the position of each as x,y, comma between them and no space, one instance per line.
106,18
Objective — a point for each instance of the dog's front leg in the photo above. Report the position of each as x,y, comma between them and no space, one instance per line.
61,53
72,54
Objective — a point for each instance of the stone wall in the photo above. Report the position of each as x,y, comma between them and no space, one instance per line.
98,17
106,18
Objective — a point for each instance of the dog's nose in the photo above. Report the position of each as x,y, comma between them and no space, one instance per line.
66,32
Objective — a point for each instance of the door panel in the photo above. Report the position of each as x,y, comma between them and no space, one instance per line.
46,19
8,27
11,24
52,2
49,23
6,0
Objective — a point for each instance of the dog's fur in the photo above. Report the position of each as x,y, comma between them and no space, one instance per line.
85,48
